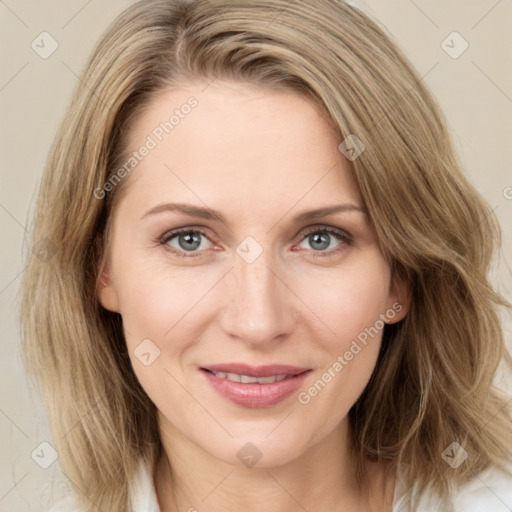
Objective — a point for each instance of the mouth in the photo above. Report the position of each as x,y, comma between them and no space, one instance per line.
248,379
241,372
255,387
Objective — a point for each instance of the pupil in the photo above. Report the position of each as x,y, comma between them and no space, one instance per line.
322,239
189,239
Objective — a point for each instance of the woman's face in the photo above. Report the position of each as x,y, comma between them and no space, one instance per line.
254,279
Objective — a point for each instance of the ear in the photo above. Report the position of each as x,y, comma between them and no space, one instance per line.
106,291
399,300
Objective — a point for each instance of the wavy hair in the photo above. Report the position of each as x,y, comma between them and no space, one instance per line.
433,383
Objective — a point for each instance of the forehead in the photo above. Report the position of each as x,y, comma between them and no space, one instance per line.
236,142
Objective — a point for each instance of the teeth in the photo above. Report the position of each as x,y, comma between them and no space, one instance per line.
268,380
246,379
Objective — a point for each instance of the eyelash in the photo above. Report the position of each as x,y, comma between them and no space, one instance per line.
344,237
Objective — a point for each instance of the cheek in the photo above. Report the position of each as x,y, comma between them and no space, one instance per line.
153,296
348,301
349,304
155,308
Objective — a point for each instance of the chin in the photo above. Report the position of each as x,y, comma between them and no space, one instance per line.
257,450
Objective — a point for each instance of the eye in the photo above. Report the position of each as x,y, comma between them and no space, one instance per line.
326,241
183,241
190,242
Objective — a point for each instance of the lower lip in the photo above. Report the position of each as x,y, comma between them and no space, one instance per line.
256,395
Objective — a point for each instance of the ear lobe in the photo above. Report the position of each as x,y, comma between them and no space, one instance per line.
399,300
107,294
105,289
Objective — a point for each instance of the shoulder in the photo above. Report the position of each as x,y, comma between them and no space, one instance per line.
142,493
67,504
142,488
489,490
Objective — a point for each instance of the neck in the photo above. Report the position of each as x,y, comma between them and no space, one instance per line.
321,479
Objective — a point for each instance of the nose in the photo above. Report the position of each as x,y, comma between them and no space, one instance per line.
260,306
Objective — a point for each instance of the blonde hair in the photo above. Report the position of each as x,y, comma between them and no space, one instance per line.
433,383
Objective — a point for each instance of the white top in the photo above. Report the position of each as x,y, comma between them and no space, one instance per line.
490,491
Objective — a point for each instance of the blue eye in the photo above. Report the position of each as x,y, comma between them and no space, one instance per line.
320,239
188,242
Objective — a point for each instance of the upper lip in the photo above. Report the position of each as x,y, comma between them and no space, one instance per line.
256,371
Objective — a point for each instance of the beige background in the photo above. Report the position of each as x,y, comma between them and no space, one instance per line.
475,91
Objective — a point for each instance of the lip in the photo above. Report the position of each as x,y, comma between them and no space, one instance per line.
256,395
256,371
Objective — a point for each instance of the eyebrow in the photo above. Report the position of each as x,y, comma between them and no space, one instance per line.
209,214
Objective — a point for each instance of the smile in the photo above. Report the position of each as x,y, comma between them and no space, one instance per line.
263,387
247,379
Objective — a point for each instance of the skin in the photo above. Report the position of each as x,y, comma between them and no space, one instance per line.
259,157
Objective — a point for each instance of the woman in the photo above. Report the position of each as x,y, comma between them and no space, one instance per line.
268,277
